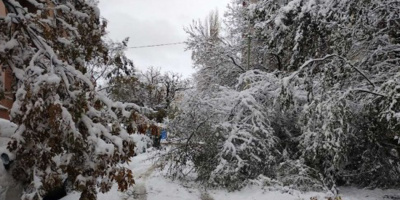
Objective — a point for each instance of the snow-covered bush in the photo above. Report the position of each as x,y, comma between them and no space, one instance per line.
142,143
197,144
226,135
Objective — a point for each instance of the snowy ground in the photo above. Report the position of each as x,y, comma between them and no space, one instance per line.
151,185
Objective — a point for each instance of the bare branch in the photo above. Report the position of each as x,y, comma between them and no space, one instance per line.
370,92
237,65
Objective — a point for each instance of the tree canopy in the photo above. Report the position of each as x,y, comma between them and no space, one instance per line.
68,133
299,93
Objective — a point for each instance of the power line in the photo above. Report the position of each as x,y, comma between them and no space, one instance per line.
156,45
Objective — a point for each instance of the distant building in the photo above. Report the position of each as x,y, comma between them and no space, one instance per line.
7,94
6,81
2,9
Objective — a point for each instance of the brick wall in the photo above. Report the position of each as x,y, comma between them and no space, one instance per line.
6,76
2,9
7,102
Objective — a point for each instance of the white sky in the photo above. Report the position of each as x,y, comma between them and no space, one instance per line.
149,22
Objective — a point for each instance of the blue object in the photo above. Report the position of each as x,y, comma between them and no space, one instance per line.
5,159
163,134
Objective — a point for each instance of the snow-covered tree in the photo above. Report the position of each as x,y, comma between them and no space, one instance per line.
150,88
213,55
112,66
344,86
316,100
67,132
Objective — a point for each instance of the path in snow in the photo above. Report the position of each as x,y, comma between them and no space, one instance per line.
152,185
139,190
205,196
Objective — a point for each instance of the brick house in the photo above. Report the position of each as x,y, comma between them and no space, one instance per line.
7,79
6,82
7,99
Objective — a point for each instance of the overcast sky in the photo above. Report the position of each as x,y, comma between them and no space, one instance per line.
149,22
